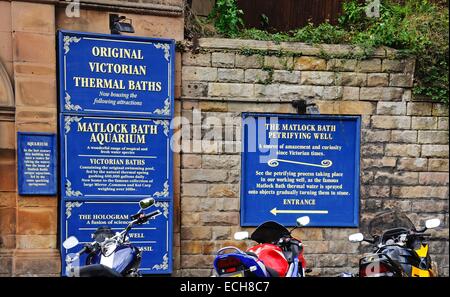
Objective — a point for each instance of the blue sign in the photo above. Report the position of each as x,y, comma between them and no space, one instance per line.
115,158
294,166
116,99
154,238
121,75
36,158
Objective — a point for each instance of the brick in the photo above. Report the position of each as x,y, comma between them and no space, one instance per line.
189,218
197,190
213,106
194,89
377,79
37,221
33,47
419,108
310,63
199,73
351,79
378,191
420,192
223,190
335,260
332,93
220,218
370,65
350,93
391,122
32,91
391,108
8,177
398,205
379,162
403,150
381,93
438,165
221,233
33,17
203,175
373,149
341,65
219,59
396,178
435,151
198,59
253,61
191,161
404,136
401,80
196,233
354,107
284,76
279,62
424,123
230,90
40,69
191,247
435,137
36,241
433,178
221,161
320,78
376,135
393,66
230,75
431,207
256,75
412,164
443,123
289,92
319,247
227,204
271,91
439,109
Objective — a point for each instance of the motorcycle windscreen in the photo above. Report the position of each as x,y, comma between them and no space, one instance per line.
389,220
269,232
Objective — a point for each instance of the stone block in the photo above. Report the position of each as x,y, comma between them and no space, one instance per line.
279,62
438,165
435,150
341,65
197,59
33,17
403,150
256,75
419,108
194,190
391,122
351,79
34,47
284,76
412,164
219,59
31,91
223,191
381,93
420,192
401,80
433,178
391,108
252,61
196,73
203,175
195,233
230,75
350,93
37,221
310,63
317,78
404,136
230,90
369,65
194,89
434,137
377,79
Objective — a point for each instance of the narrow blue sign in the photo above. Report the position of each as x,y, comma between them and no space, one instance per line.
115,158
121,75
154,238
295,166
36,159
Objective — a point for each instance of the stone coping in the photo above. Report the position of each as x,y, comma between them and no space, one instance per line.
293,47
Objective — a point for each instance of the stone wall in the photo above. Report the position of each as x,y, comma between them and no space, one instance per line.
404,143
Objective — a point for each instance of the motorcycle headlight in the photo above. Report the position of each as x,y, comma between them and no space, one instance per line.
108,247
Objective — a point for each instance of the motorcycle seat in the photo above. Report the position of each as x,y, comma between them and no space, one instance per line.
272,272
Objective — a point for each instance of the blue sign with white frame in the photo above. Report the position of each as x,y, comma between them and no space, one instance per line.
295,165
36,159
82,218
115,158
121,75
116,100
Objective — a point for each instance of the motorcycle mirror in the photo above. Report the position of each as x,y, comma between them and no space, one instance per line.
70,242
432,223
146,203
357,237
303,221
241,235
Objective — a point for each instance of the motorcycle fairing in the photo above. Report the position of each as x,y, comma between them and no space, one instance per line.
272,256
123,258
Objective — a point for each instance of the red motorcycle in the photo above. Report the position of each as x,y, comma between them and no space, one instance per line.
277,253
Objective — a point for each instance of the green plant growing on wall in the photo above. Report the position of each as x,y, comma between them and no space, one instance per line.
227,17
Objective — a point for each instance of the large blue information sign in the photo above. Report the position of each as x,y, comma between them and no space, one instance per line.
36,156
116,104
295,165
116,75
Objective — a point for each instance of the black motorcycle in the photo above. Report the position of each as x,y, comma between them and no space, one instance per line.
399,249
